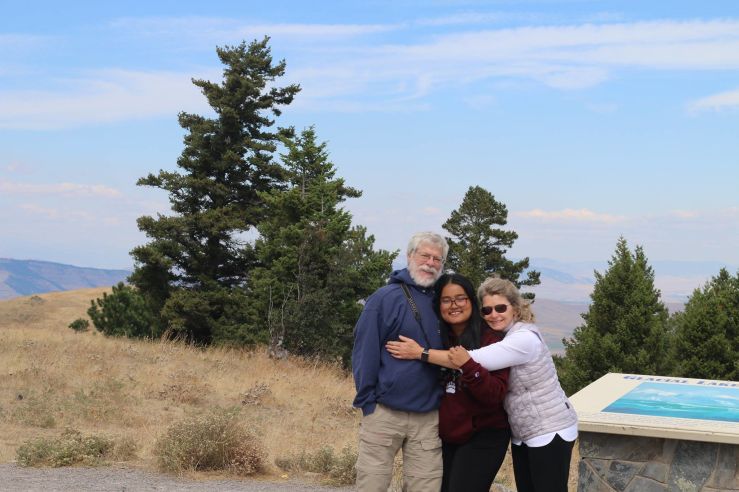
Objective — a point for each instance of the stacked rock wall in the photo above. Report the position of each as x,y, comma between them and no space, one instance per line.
621,463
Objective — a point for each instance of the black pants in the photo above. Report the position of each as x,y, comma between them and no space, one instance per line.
543,469
471,467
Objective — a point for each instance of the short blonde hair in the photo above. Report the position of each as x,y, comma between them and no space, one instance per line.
497,286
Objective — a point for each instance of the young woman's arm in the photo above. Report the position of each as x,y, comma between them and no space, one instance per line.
515,349
409,349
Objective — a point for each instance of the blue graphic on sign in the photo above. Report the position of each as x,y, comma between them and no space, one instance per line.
681,401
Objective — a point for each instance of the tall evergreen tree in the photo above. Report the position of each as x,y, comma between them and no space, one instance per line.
193,270
706,338
625,326
315,268
477,247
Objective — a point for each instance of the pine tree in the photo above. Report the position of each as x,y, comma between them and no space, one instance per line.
193,271
315,267
625,326
706,339
477,247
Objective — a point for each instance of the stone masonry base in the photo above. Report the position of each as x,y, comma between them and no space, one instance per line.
618,463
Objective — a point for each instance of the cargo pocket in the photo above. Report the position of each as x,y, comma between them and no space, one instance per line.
426,461
376,452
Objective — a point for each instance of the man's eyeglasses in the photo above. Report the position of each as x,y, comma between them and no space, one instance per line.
499,308
426,257
458,300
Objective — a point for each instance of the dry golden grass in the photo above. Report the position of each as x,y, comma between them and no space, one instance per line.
52,378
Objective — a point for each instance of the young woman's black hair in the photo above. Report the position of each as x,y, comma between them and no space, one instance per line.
470,338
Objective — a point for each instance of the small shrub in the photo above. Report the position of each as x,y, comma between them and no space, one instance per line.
124,312
215,441
69,449
80,325
337,470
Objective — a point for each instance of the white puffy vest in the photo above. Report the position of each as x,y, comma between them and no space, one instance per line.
536,403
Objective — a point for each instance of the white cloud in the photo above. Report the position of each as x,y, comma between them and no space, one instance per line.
68,189
103,96
562,57
568,214
216,30
57,214
716,102
341,69
685,214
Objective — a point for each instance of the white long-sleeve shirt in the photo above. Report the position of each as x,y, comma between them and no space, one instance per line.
518,348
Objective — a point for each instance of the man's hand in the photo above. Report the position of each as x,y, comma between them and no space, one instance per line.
458,356
406,348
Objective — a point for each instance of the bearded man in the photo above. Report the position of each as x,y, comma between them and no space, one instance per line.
400,398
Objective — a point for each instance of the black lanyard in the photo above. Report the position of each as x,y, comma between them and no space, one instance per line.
416,314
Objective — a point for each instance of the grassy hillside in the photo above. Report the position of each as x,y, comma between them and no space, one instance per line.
52,378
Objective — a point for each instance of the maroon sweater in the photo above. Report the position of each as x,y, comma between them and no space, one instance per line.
477,402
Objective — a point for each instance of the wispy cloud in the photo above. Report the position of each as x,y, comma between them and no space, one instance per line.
716,102
359,74
54,213
685,214
219,29
68,189
104,96
568,214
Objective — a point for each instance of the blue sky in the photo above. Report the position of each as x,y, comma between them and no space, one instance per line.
588,119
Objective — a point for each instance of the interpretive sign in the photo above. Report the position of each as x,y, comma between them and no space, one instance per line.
651,406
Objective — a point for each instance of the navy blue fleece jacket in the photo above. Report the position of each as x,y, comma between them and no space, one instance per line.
406,385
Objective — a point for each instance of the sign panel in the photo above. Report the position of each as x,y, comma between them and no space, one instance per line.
673,408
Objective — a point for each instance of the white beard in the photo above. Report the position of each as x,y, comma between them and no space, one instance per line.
413,270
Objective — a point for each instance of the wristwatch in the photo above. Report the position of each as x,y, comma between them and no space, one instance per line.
425,355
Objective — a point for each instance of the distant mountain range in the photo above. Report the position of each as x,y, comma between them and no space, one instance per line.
26,277
574,281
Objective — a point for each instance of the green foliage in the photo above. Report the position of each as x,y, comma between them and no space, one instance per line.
213,314
477,247
625,326
214,441
70,449
706,337
314,266
337,469
124,312
197,260
80,324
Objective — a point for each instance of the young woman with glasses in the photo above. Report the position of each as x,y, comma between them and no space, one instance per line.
473,425
543,422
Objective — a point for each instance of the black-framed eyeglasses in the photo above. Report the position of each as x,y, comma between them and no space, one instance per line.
458,300
499,308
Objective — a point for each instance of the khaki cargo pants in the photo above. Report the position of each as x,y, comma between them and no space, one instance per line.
385,431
